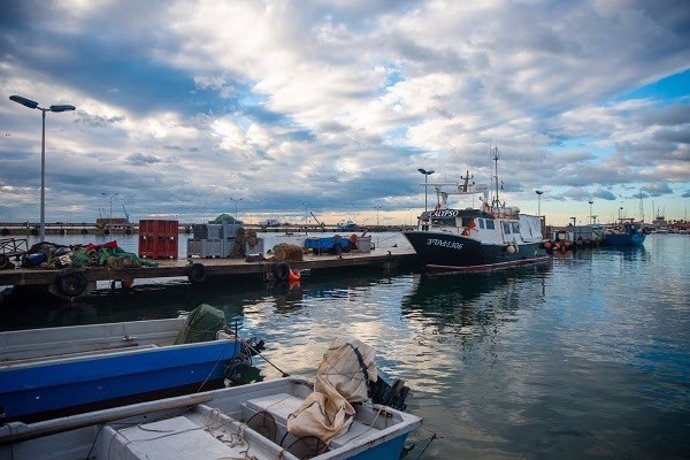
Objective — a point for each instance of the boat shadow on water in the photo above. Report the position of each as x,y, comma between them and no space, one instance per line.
465,301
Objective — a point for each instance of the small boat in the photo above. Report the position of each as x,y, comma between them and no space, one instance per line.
265,420
472,239
626,234
345,226
53,372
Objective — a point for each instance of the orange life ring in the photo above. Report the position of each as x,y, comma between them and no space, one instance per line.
465,231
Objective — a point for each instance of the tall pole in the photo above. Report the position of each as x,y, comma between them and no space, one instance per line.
539,194
590,211
236,200
53,108
42,227
426,183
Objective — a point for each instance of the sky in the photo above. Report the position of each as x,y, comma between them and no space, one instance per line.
280,109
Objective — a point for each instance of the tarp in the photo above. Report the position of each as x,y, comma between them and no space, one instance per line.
202,325
341,380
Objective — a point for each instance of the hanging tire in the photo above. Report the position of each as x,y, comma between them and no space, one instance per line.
4,261
197,273
281,271
71,282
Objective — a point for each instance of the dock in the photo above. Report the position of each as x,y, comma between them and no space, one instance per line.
231,270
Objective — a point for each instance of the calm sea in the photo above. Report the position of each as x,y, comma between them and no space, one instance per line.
587,357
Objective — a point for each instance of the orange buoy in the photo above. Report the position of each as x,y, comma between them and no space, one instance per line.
547,245
294,275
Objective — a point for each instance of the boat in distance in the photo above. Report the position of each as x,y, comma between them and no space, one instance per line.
248,421
474,239
53,372
626,234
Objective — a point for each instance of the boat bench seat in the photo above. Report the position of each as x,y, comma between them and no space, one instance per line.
155,441
5,362
281,405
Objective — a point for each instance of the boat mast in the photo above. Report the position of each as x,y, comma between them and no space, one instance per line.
495,154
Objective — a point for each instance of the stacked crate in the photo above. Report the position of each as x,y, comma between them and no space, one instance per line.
158,239
207,241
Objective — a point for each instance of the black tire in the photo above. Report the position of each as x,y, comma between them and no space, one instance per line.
197,273
4,261
281,271
71,282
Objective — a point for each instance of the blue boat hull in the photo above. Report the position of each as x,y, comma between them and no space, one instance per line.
624,240
60,387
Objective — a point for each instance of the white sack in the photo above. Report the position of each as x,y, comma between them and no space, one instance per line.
341,379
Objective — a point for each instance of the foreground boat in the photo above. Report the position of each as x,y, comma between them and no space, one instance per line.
46,373
470,239
627,234
288,418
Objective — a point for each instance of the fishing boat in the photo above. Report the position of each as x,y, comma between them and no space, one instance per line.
489,237
52,372
288,418
627,233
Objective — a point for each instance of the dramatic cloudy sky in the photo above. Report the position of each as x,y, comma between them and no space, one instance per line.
183,106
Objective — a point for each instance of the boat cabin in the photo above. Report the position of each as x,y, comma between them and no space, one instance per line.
506,226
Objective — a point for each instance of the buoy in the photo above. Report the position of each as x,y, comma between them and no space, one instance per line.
547,245
510,249
294,275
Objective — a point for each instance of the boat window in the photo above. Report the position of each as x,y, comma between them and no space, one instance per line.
443,222
481,223
466,221
506,227
490,224
516,227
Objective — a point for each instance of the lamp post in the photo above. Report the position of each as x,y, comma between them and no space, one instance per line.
53,108
590,211
110,219
539,194
426,177
377,216
236,201
306,220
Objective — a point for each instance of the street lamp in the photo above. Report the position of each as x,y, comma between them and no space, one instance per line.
426,177
377,215
306,220
53,108
590,211
110,220
539,194
236,201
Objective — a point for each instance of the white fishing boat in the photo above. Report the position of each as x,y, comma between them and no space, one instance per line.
471,238
277,419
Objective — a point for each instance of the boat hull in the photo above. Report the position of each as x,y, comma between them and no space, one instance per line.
443,252
58,387
625,239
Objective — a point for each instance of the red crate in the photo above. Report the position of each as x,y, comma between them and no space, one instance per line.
158,239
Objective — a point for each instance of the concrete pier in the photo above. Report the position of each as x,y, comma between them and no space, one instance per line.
230,269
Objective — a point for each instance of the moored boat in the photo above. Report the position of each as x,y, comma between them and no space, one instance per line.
490,237
626,234
287,418
52,372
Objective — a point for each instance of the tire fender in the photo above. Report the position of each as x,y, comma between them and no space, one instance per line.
197,273
71,282
281,271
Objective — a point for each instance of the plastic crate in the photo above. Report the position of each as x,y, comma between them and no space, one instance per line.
158,239
205,248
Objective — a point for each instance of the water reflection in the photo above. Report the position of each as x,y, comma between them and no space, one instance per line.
471,301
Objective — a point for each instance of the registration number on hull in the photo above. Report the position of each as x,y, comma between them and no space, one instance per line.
444,243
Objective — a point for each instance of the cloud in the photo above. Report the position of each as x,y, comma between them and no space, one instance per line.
289,103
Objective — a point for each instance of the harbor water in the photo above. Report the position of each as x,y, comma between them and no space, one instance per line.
585,357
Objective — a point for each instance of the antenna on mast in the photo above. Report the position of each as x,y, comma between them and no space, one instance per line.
495,155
